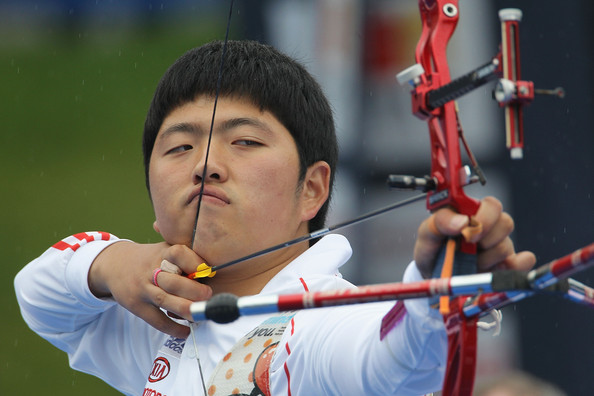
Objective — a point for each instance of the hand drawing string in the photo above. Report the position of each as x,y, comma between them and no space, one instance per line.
214,110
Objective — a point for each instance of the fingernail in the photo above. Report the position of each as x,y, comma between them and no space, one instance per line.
458,222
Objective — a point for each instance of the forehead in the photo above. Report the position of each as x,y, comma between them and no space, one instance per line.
230,113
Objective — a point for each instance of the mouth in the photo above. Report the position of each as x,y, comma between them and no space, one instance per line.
209,194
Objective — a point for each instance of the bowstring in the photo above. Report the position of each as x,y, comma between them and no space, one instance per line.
202,182
214,110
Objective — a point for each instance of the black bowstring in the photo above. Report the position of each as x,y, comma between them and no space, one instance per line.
202,182
214,110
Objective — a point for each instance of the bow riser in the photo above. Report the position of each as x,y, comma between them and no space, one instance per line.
439,20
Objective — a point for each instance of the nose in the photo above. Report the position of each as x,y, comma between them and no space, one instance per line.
210,167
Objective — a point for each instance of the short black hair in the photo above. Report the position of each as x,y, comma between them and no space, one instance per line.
271,80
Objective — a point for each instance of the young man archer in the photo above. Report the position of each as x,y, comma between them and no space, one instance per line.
268,180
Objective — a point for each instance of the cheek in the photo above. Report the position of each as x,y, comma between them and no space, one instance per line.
157,185
277,187
162,184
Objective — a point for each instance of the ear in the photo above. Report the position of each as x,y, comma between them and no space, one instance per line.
315,189
156,227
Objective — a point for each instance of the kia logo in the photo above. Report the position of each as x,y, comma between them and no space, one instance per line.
160,369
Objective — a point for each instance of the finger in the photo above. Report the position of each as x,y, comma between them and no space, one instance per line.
487,260
427,244
157,318
431,235
488,215
183,287
171,303
522,261
446,222
497,231
183,257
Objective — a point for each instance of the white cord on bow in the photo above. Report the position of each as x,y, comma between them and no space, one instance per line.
497,319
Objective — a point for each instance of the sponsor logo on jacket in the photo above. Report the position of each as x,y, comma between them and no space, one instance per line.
152,392
160,369
175,344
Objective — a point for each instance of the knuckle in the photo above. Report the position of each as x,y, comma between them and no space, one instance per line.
175,251
507,222
132,305
159,298
494,203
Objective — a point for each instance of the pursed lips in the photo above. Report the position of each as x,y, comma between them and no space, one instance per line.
208,192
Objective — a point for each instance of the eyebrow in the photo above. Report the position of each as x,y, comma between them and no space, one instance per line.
227,125
248,121
182,127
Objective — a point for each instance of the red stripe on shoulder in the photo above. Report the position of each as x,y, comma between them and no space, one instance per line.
84,238
105,236
61,245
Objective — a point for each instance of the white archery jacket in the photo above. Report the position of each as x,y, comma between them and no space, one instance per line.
329,351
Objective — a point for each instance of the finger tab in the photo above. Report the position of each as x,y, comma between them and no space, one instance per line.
168,266
472,231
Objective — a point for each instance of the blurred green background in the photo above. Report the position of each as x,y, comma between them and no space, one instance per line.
74,98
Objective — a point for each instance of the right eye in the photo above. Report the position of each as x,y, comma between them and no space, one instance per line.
179,149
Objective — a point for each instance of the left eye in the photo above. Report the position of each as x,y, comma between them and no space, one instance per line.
247,142
179,149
